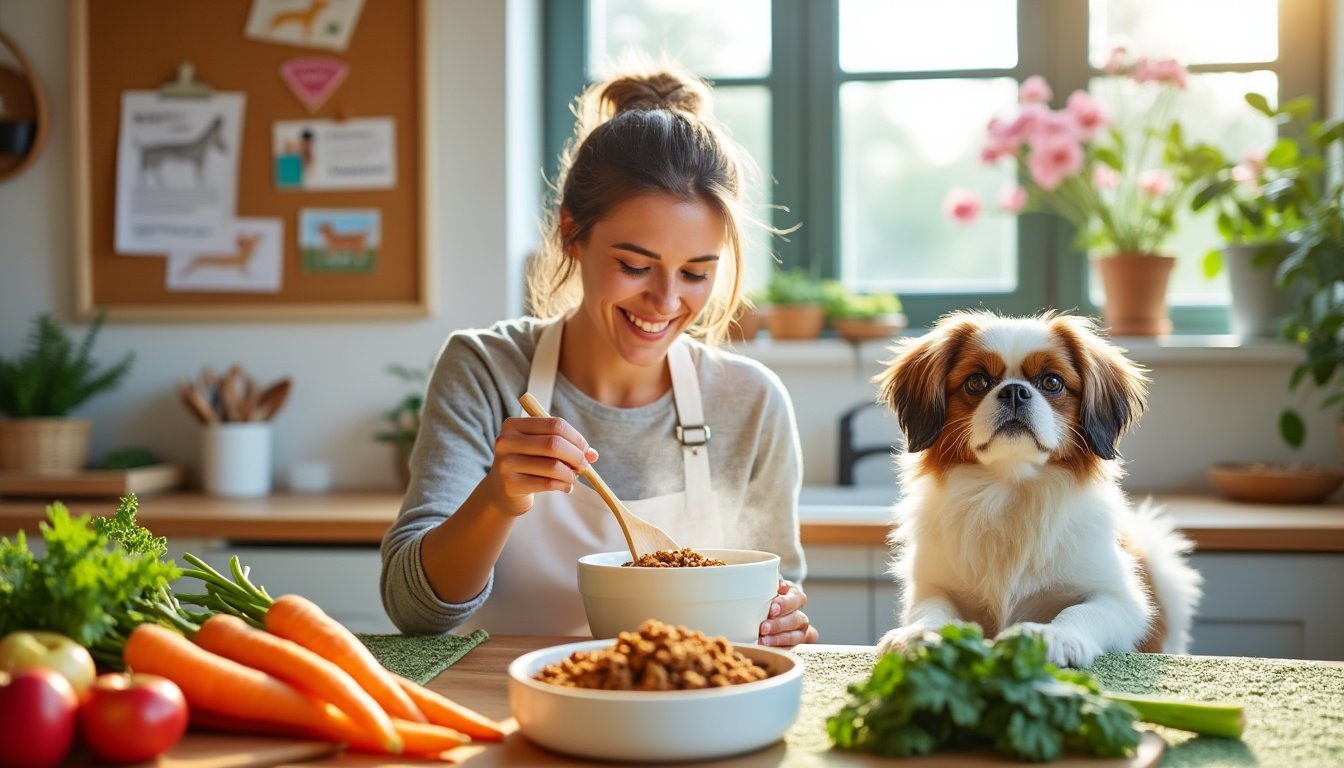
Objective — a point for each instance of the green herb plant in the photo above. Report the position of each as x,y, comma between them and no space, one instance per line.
788,287
955,690
402,423
54,375
844,305
100,577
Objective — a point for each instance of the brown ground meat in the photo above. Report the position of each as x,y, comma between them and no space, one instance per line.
674,558
659,657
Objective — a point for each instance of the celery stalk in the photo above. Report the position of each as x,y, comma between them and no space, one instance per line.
1226,720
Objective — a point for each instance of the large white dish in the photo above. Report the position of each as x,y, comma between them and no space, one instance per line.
652,726
729,600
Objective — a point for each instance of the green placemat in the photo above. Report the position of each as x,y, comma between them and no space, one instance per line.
1294,709
421,657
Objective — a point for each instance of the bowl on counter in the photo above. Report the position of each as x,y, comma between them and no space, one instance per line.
655,726
729,600
1275,483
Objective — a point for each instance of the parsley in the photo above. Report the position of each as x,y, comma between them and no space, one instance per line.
956,690
90,582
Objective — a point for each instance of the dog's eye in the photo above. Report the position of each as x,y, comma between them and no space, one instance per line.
977,383
1051,383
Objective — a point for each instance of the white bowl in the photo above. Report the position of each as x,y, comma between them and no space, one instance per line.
729,600
652,726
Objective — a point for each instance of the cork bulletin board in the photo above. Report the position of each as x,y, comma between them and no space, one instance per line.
121,46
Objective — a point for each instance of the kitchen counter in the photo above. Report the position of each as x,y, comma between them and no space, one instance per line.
1290,707
353,517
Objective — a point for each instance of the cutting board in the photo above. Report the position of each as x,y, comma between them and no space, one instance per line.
220,750
94,483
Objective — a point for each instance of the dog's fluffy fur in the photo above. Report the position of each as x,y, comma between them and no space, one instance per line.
1011,511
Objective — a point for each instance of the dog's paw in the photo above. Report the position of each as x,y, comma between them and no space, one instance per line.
900,638
1064,647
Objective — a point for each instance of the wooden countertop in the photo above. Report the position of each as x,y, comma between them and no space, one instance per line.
353,517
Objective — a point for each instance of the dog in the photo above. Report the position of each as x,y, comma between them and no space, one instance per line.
1011,512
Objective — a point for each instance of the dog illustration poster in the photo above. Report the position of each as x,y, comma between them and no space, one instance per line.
313,23
326,154
177,173
252,265
332,240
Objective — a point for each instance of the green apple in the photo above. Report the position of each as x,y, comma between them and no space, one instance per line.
21,650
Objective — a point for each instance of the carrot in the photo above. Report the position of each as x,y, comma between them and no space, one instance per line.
233,638
421,739
213,683
297,618
442,710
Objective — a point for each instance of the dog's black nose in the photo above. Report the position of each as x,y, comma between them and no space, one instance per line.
1015,394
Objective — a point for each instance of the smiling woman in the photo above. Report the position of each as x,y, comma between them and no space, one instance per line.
639,275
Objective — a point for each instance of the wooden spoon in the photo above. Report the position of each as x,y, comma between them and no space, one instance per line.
196,403
271,399
640,535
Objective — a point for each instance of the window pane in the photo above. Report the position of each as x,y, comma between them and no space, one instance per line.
1193,31
1211,110
710,37
745,113
903,146
927,35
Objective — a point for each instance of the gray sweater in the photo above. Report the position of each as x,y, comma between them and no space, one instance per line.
754,455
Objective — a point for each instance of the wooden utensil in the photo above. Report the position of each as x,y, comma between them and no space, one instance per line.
196,403
640,535
271,399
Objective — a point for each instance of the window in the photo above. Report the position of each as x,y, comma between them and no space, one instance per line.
861,114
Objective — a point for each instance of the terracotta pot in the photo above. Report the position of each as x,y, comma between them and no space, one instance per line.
796,321
1136,293
868,329
745,326
44,446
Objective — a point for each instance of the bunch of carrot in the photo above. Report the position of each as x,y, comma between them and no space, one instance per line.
300,673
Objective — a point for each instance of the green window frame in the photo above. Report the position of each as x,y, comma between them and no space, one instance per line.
805,87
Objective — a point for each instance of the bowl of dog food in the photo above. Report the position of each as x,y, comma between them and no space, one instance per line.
663,693
716,591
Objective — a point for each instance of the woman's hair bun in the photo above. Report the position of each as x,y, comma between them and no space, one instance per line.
656,90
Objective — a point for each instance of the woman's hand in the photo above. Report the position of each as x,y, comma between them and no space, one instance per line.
533,456
787,624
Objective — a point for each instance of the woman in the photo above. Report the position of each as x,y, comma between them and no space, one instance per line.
645,245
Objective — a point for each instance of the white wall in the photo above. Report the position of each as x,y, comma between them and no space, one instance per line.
486,160
485,156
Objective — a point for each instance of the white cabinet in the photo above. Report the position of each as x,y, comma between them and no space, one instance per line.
1255,604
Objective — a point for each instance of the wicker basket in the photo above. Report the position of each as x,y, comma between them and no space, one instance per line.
44,446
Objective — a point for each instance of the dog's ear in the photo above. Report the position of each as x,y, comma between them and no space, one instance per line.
915,379
1115,388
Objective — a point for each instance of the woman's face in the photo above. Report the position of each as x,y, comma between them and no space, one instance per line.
648,268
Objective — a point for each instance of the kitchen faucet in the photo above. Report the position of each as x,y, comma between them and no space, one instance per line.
849,454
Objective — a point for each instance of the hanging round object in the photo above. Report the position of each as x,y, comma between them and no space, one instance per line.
23,112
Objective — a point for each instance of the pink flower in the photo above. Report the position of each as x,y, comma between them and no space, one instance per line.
1054,159
1105,177
1161,71
1003,142
1087,113
1155,182
1050,125
962,205
1246,176
1255,160
1117,61
1034,90
1013,199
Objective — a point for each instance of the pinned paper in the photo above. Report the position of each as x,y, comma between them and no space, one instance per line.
312,23
313,79
339,240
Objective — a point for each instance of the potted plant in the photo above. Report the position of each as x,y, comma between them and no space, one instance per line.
795,299
1258,201
1111,176
748,321
401,424
38,390
859,317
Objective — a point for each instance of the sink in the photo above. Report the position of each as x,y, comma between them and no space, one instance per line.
847,500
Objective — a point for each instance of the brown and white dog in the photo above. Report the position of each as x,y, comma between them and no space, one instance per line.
1011,511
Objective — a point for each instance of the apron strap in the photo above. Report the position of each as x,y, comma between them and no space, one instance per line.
692,432
545,362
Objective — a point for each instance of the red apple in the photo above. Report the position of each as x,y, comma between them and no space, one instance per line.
20,650
37,717
132,718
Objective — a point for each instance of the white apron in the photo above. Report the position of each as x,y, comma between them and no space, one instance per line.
536,588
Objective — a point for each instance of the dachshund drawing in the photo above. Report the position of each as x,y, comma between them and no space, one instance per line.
239,259
305,18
